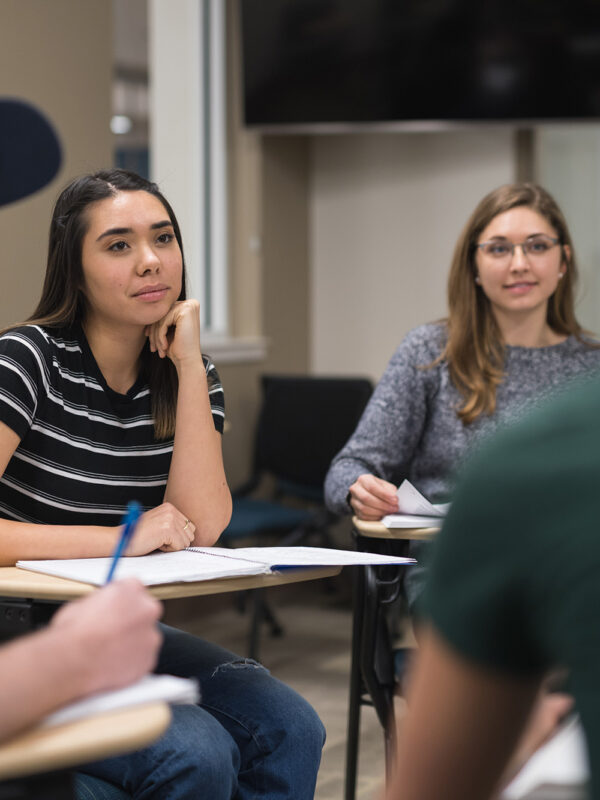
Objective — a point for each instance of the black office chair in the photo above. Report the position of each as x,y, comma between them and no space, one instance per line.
303,422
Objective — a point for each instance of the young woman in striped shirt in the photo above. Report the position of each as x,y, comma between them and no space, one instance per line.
105,396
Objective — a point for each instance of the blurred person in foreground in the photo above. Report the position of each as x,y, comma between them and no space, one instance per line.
104,641
513,591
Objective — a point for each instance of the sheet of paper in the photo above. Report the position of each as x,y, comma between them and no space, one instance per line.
150,570
282,557
150,689
411,501
562,761
411,521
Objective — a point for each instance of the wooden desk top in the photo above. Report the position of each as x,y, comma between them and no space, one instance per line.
16,582
377,530
100,736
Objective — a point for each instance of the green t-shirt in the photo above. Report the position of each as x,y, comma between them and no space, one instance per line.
515,577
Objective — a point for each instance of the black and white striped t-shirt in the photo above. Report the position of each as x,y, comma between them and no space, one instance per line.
85,450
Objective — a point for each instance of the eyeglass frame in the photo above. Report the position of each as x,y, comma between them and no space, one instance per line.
513,245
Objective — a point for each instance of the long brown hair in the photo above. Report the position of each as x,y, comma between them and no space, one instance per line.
63,302
474,349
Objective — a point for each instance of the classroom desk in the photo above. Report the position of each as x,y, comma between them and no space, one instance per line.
377,530
17,582
372,673
100,736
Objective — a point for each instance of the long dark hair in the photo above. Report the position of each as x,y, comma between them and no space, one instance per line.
475,350
63,302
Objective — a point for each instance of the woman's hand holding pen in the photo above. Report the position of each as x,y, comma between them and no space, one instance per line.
177,334
371,498
161,528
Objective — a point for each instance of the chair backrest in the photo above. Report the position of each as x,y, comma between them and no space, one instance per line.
304,421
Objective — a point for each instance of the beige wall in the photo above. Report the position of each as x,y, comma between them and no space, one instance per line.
385,212
568,165
286,300
270,278
357,233
56,54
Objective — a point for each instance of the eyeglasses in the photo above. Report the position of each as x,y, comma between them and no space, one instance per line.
503,250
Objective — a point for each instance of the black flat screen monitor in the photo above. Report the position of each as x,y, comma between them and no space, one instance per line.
337,62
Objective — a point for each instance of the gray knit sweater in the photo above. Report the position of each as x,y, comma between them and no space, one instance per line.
410,428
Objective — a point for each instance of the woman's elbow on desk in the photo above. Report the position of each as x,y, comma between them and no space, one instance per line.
212,524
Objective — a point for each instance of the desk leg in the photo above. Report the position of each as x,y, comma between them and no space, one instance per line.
377,659
355,685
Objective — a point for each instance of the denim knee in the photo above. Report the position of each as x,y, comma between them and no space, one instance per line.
245,691
277,734
196,757
305,729
202,753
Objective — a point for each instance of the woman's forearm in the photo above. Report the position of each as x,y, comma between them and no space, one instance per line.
197,485
24,540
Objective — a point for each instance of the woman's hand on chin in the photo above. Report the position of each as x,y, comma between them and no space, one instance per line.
177,334
162,528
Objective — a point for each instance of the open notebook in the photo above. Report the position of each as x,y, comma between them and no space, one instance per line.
206,563
149,689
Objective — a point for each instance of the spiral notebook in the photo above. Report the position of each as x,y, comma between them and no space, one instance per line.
206,563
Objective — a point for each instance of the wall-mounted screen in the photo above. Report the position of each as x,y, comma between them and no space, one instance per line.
332,62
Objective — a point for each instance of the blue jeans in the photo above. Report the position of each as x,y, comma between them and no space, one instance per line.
251,736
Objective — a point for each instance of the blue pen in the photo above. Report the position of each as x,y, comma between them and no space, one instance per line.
130,520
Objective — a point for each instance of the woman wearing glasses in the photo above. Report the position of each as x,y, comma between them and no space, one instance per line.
510,338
